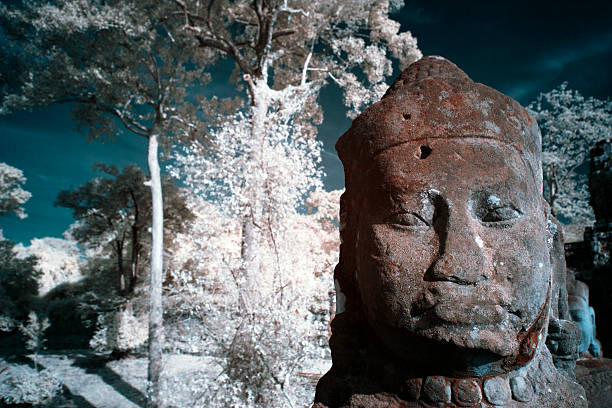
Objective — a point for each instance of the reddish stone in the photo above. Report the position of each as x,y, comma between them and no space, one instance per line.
444,262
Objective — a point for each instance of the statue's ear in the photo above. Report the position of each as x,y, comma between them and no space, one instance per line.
592,314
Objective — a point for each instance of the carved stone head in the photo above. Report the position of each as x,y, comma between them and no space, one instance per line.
448,224
444,263
584,316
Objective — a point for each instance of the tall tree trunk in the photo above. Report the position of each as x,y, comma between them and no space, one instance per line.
122,281
250,261
134,259
135,256
155,291
251,223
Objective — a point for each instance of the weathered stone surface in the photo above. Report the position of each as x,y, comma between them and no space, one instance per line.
437,389
444,265
466,392
596,377
521,389
563,341
411,389
497,391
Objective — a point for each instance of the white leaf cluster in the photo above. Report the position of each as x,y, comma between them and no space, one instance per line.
69,16
223,171
571,125
120,331
403,46
58,260
7,323
371,56
356,95
12,195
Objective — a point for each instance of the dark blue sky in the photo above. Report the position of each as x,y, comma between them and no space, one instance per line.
516,47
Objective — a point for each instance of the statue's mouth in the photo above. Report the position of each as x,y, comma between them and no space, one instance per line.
465,313
458,304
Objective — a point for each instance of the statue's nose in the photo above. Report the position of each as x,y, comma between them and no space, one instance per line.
461,258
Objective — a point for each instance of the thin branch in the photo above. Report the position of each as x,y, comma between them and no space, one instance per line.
306,63
285,8
129,123
282,33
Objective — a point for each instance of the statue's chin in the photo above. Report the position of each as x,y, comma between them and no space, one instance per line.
457,350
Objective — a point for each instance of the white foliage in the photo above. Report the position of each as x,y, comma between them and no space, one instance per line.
262,351
571,124
7,323
403,46
58,260
120,331
224,171
12,195
371,56
81,15
356,96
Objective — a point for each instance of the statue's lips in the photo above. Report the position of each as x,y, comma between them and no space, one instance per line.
459,304
466,313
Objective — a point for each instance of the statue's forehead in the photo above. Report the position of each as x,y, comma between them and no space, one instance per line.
451,160
438,110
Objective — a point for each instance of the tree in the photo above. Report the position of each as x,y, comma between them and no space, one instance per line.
58,261
115,211
120,63
18,278
571,124
261,352
12,196
285,51
18,285
223,171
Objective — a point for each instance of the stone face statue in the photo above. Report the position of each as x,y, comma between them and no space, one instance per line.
584,315
444,281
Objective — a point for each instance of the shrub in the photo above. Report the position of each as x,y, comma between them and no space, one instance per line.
21,384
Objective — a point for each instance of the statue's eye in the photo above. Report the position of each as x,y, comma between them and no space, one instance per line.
492,211
501,214
577,315
407,219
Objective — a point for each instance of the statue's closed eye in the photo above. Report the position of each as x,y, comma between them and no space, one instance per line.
500,214
407,219
490,210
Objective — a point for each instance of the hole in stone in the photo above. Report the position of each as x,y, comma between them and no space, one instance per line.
597,151
406,116
425,151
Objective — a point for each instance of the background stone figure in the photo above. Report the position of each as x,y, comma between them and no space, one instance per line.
445,279
564,336
584,315
589,260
